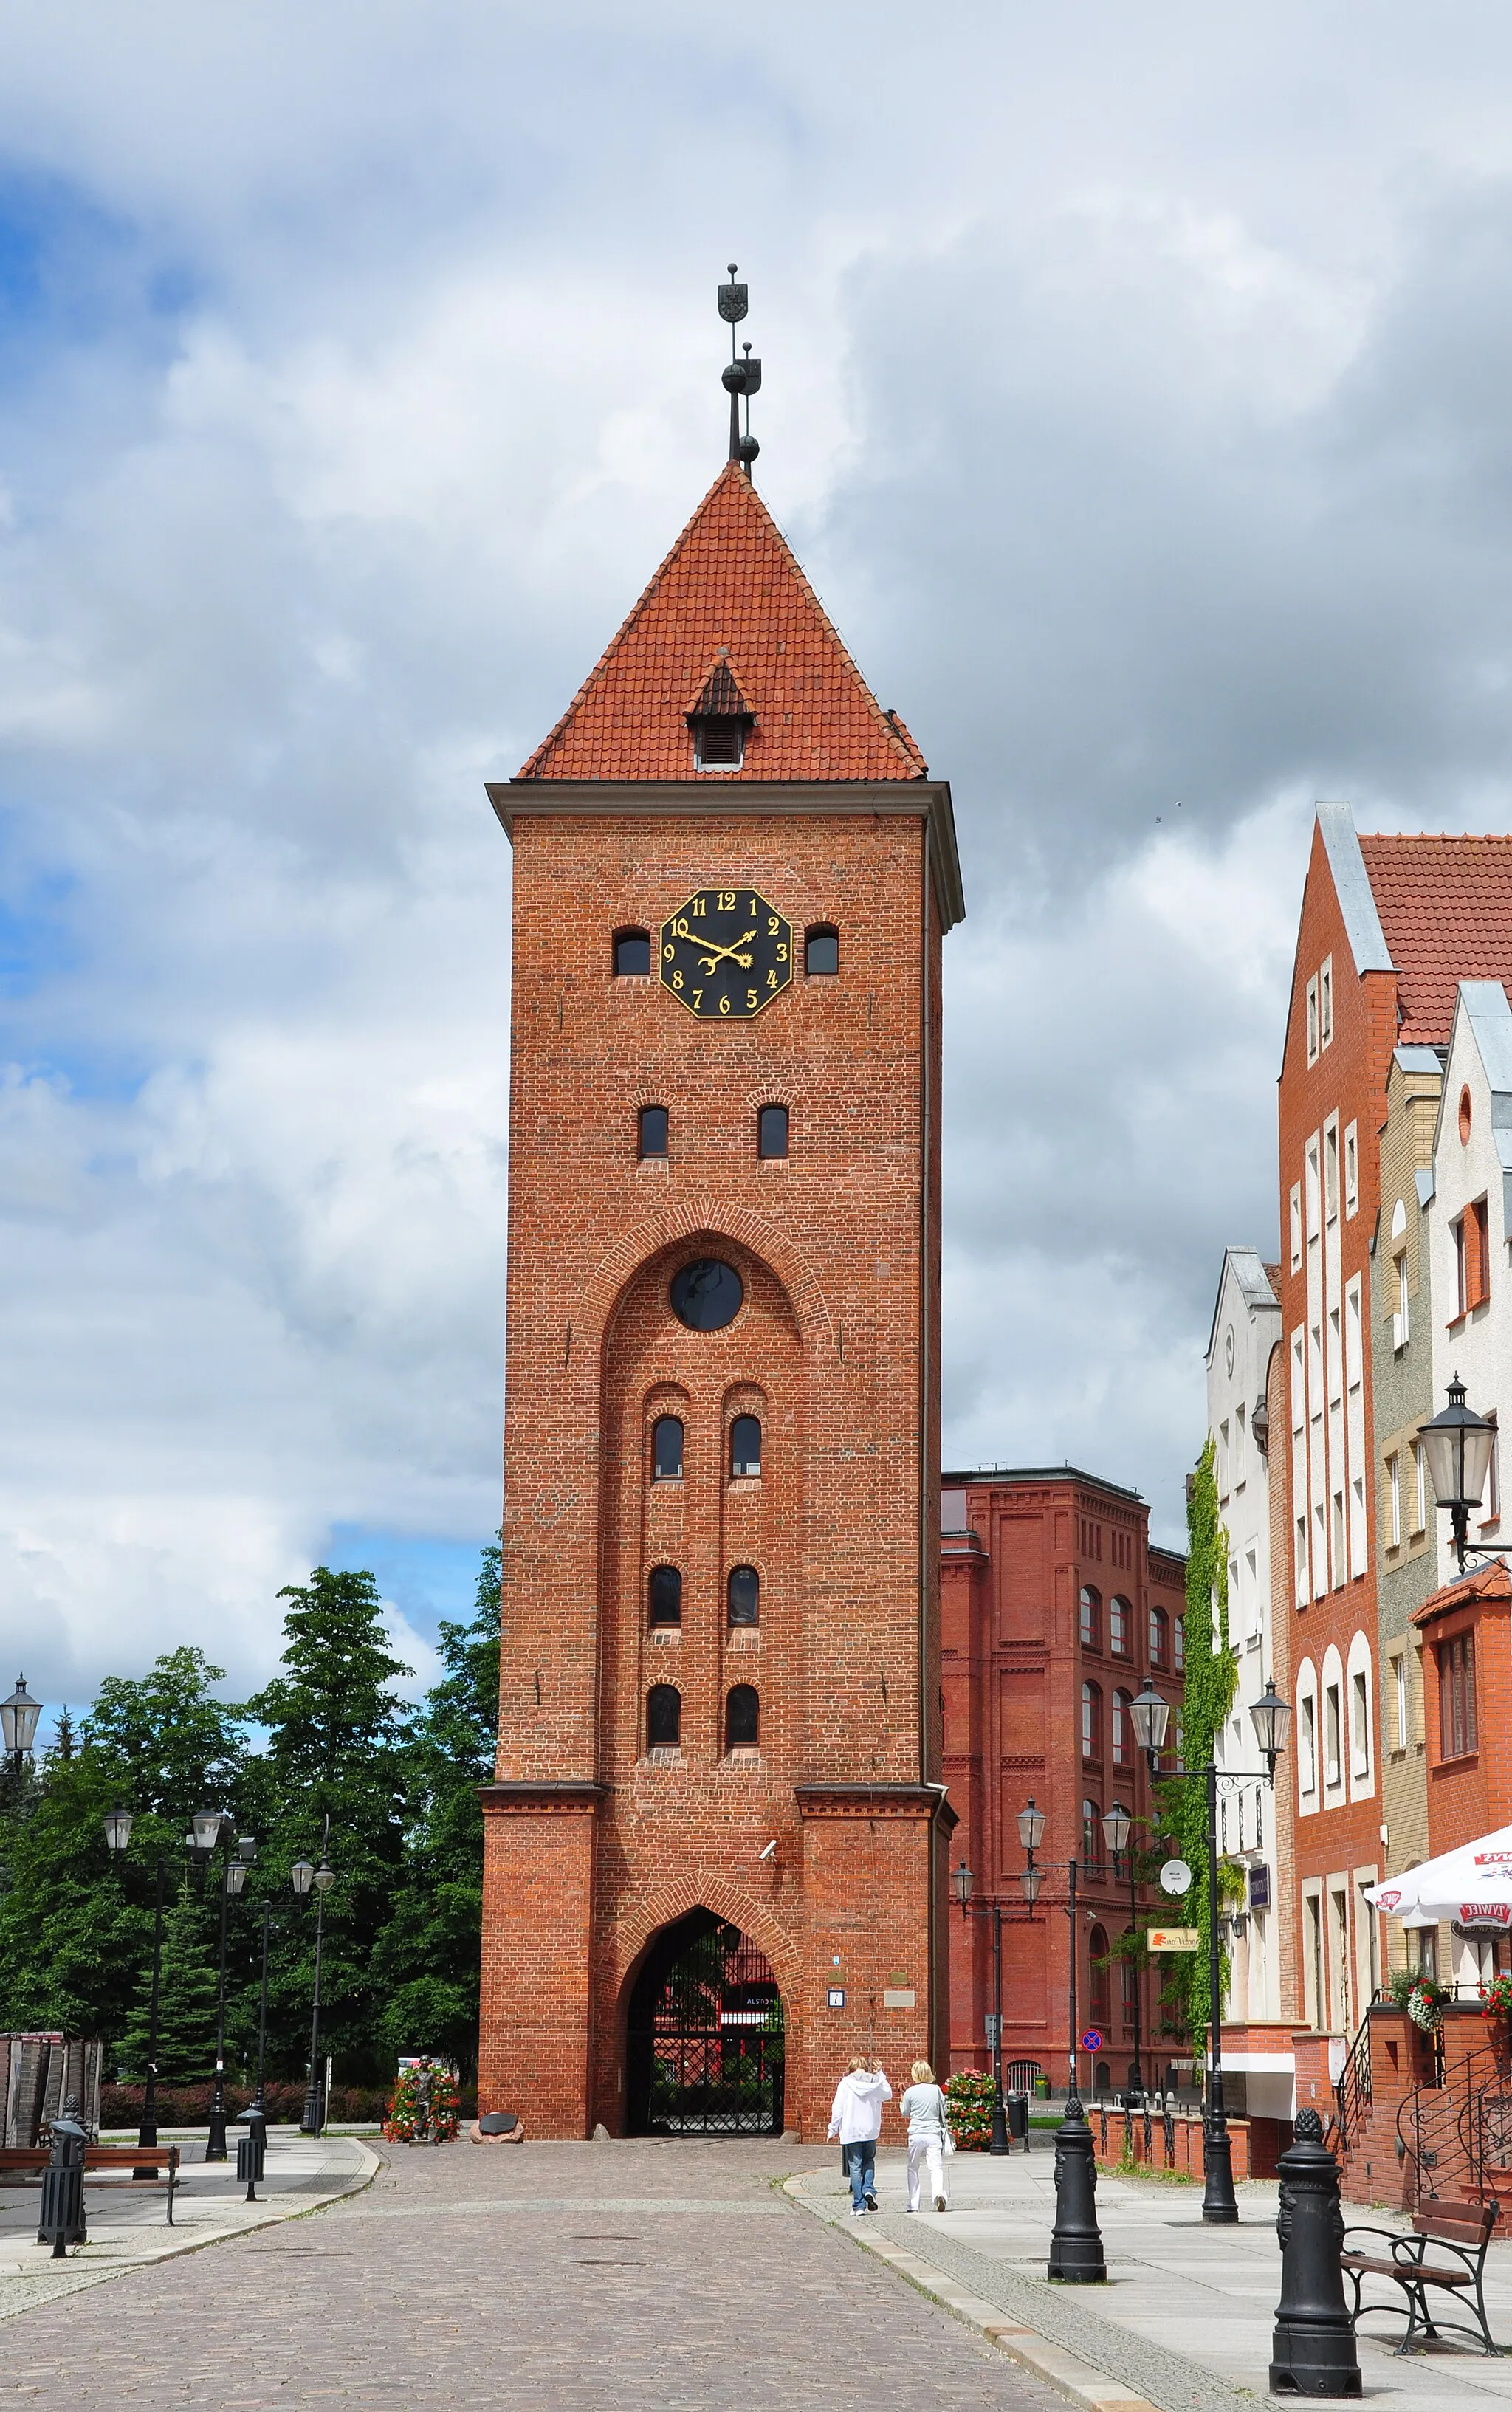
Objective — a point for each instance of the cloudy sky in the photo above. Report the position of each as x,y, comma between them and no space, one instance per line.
1138,395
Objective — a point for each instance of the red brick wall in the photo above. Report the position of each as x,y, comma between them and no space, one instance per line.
837,1348
1349,1079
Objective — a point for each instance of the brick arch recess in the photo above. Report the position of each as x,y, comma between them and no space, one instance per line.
703,1219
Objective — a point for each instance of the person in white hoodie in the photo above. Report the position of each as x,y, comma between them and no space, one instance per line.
855,2118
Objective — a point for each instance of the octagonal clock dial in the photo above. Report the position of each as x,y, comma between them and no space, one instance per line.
726,953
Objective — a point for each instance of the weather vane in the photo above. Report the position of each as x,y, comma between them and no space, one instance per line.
742,376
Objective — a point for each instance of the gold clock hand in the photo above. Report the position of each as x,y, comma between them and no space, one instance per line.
709,953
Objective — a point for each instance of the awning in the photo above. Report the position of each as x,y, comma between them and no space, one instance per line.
1472,1885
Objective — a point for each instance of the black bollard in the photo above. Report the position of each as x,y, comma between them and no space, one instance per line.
257,2127
1313,2351
1076,2241
246,2166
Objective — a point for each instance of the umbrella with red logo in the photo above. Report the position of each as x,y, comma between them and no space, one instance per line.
1472,1885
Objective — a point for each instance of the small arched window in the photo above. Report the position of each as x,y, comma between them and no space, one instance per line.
653,1133
1122,1753
743,1718
1180,1643
744,1448
1119,1627
667,1450
1091,1722
772,1133
744,1591
664,1594
632,955
821,951
664,1717
1159,1637
1091,1833
1098,1991
1092,1618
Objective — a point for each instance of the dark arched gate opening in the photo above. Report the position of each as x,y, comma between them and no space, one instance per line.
704,2038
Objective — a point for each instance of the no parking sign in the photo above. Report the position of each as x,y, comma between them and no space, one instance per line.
1092,2040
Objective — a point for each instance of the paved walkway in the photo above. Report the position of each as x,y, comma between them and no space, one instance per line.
128,2226
1185,2319
634,2277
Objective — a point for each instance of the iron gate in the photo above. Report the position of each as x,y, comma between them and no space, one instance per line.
704,2041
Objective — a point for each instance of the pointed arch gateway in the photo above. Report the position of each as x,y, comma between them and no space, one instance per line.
705,2042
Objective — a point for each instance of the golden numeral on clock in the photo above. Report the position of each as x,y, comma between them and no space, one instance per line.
771,979
774,925
697,915
676,979
750,1000
727,900
724,1004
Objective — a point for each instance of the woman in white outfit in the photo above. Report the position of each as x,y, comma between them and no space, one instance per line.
923,2107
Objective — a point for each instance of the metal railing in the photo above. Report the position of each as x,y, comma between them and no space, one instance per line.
1354,2091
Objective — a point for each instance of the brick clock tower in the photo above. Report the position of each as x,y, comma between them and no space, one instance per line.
717,1844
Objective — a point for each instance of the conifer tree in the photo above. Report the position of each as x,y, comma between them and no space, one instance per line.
187,2002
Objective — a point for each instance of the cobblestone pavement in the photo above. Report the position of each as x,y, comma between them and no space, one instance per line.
669,2275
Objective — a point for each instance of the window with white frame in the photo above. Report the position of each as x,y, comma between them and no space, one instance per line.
1332,1736
1351,1169
1403,1318
1312,1020
1314,1179
1419,1488
1297,1226
1222,1469
1331,1171
1299,1385
1359,1722
1239,1466
1326,1003
1307,1740
1398,1697
1393,1495
1302,1561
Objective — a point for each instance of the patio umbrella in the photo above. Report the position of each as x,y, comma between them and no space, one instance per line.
1473,1883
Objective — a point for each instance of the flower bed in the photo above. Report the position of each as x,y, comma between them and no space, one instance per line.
969,2096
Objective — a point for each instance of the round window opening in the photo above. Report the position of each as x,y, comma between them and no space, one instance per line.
707,1294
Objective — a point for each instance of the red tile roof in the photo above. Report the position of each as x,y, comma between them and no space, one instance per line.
730,582
1446,909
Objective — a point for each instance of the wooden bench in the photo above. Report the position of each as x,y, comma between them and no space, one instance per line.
1459,2234
24,2161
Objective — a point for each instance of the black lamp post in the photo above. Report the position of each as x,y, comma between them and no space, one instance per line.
1150,1716
961,1885
1459,1444
1076,2253
18,1719
118,1825
304,1877
212,1830
1117,1824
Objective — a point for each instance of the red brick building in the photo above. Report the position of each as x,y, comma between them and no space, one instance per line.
1054,1610
719,1811
1389,927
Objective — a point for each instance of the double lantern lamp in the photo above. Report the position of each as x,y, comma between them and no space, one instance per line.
1150,1717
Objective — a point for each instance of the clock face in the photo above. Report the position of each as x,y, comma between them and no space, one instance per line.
725,954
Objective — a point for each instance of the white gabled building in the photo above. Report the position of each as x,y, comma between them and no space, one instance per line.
1246,1326
1470,1224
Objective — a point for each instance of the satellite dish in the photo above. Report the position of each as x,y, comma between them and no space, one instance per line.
1175,1877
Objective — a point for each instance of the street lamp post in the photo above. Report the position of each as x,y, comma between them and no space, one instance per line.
1150,1716
1459,1444
118,1825
303,1877
1116,1826
1076,2253
211,1830
1030,1827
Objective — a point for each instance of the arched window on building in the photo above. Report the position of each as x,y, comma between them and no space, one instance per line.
651,1133
1119,1627
1180,1643
1159,1638
744,1448
1098,1993
1128,1993
1091,1833
743,1718
1123,1735
1092,1618
667,1450
821,951
632,955
772,1133
664,1717
1091,1723
663,1593
744,1592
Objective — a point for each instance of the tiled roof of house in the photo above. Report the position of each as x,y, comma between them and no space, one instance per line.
1446,909
730,582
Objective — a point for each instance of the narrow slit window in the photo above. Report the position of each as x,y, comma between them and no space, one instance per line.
652,1131
744,1592
771,1131
664,1717
665,1592
632,955
744,1448
821,951
667,1450
743,1718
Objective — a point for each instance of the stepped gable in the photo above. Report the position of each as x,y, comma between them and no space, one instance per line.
730,582
1446,909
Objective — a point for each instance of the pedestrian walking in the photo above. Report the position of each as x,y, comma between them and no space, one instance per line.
855,2118
930,2141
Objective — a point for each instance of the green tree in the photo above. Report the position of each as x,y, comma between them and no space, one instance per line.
335,1748
186,1998
426,1960
1212,1679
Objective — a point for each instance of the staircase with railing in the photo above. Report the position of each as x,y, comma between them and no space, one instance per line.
1456,2135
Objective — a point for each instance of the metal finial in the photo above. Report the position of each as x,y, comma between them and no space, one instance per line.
742,376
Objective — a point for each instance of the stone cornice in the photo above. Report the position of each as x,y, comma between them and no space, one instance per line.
876,1800
569,1797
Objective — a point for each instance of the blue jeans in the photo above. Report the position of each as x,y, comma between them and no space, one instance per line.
861,2168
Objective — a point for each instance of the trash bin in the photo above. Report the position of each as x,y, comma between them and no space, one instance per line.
62,2220
1042,2089
1017,2110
